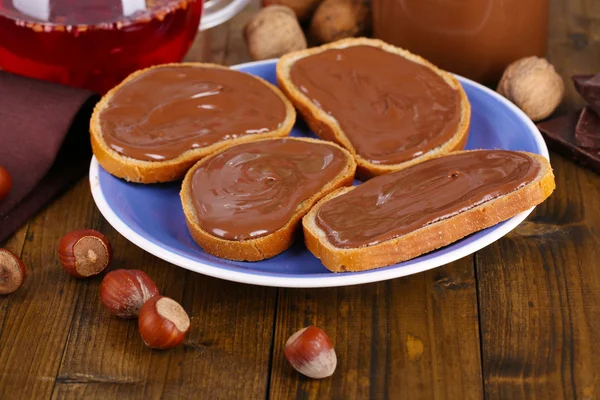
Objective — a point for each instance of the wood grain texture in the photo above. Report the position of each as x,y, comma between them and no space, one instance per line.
39,315
539,287
574,43
59,341
539,299
15,244
409,338
415,337
226,354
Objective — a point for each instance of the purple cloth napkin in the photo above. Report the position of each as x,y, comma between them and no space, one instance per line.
44,143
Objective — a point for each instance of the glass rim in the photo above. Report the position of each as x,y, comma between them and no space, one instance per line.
146,15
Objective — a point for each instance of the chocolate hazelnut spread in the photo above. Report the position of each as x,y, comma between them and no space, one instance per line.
169,110
473,38
395,204
253,189
390,108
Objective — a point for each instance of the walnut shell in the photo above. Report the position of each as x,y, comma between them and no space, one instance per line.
304,9
339,19
533,85
273,32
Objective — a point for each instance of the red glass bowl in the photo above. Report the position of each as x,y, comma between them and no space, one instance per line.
94,44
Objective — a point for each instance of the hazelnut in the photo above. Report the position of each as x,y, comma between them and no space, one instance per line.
339,19
311,353
84,253
124,291
12,272
5,183
273,32
163,323
533,85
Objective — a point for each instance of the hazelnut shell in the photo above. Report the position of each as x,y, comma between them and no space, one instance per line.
84,253
124,291
5,183
12,272
163,323
311,353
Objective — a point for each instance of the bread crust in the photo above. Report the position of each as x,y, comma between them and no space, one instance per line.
327,127
265,246
142,171
430,237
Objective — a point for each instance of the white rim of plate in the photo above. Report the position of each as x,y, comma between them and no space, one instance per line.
335,279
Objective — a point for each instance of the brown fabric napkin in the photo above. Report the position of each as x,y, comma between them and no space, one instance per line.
44,143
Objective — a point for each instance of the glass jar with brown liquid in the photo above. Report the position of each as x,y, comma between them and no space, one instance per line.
473,38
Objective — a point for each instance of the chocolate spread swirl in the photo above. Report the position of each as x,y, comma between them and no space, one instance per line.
395,204
390,108
168,110
253,189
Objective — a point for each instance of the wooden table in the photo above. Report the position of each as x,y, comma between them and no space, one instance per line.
516,320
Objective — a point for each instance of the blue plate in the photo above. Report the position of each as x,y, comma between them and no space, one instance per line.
151,216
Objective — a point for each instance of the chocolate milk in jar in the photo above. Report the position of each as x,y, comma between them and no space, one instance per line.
473,38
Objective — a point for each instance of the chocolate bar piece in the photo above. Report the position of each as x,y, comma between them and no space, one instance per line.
589,89
579,81
559,133
587,131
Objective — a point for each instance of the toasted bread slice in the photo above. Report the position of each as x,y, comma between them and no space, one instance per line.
143,171
430,237
327,127
270,245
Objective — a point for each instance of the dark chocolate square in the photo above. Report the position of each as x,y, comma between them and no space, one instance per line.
588,87
587,131
559,133
579,81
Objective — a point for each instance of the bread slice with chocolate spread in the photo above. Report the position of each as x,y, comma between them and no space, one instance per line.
402,215
160,121
246,202
390,108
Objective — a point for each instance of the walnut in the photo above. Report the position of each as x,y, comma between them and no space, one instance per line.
339,19
533,85
273,32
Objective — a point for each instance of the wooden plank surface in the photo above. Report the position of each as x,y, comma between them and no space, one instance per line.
415,337
409,338
225,355
539,287
14,244
227,352
39,315
59,341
